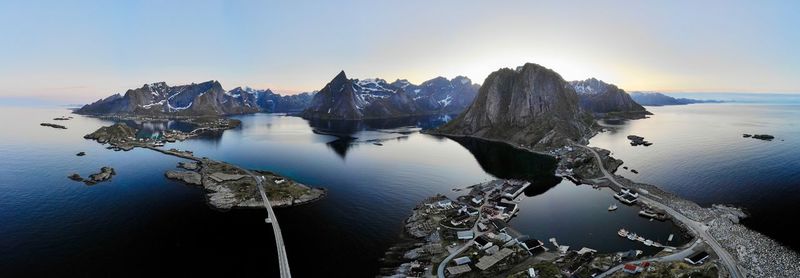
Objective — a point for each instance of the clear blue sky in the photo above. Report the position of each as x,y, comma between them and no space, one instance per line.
78,51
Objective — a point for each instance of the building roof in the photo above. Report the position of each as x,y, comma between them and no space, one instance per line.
465,234
462,260
455,270
481,240
499,224
488,261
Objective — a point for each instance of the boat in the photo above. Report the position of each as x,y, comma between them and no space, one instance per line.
640,239
377,144
647,213
648,242
612,207
670,237
622,233
632,236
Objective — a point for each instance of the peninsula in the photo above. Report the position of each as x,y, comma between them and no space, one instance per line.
227,186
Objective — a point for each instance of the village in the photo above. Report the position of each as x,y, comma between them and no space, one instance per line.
471,237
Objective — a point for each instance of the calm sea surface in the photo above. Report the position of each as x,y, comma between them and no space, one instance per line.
141,223
699,153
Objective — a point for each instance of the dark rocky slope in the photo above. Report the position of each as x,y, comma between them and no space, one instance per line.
531,106
602,98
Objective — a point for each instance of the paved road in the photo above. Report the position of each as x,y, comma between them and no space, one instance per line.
283,260
679,256
443,264
699,228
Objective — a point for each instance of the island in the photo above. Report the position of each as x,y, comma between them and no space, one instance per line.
764,137
226,185
53,125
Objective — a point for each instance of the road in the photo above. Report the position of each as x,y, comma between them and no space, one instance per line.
699,228
283,260
679,256
443,264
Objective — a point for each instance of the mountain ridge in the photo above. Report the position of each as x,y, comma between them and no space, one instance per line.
344,98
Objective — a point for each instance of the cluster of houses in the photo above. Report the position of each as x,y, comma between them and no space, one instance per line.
697,258
494,242
493,239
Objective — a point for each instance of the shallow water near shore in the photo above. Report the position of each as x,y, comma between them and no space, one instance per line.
699,154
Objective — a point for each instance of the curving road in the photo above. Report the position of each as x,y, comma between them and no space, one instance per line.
283,260
699,228
679,256
443,264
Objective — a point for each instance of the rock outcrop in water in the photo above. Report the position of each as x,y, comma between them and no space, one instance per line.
53,125
531,106
602,98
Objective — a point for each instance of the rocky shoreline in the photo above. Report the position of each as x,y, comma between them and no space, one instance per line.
105,174
757,254
227,186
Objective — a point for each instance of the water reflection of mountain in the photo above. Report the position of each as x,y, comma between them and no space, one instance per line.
506,162
151,128
348,132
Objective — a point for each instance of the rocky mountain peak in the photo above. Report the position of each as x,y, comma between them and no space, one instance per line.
531,106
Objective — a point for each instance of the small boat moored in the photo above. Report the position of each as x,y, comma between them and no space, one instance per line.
612,207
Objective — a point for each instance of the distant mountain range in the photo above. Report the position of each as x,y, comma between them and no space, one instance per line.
659,99
353,99
599,97
203,99
532,107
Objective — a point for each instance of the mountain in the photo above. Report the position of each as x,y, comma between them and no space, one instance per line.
599,97
203,99
659,99
531,106
270,102
353,99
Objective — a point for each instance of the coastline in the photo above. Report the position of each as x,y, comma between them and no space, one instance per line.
752,253
740,251
226,186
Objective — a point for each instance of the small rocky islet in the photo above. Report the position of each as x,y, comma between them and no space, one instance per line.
53,125
105,174
763,137
638,141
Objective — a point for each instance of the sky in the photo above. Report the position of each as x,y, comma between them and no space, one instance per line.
80,51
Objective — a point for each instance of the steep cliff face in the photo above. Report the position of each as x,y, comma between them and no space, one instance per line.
354,99
599,97
531,106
